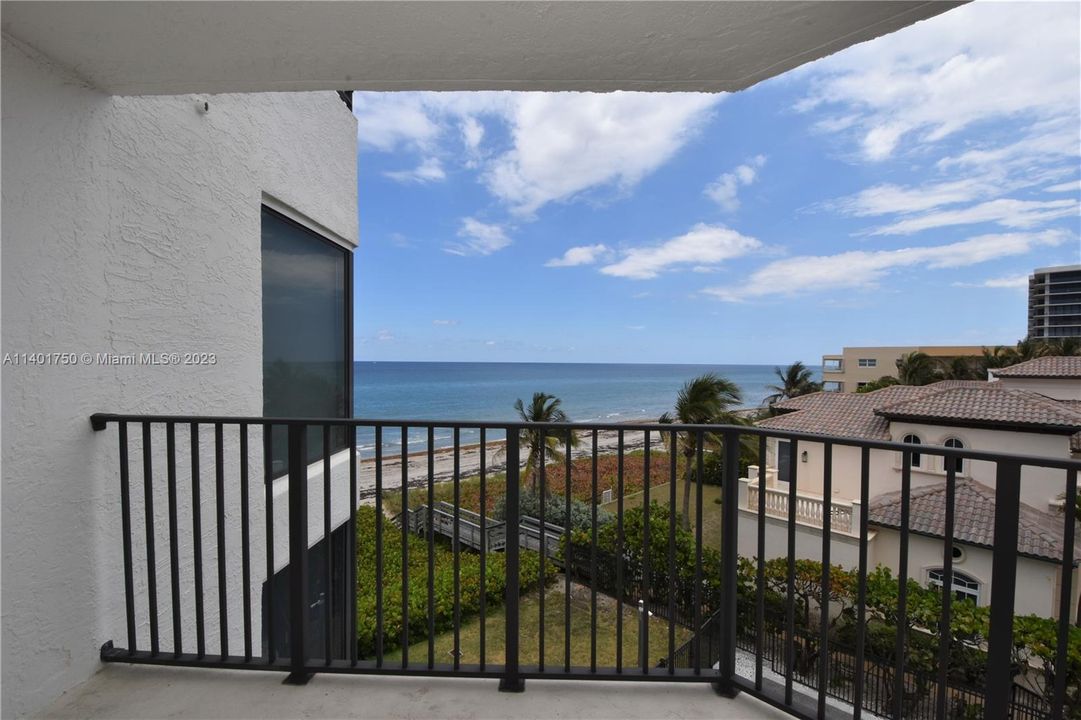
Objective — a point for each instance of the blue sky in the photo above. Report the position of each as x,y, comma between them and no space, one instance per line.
898,192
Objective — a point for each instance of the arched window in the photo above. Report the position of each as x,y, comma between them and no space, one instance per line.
958,464
963,586
914,440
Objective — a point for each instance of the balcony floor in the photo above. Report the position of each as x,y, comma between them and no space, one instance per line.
123,691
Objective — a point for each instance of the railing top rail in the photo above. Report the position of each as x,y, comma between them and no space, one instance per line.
99,421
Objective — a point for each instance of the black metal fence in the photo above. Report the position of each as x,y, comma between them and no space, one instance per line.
288,543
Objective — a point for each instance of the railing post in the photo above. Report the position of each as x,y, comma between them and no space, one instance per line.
511,682
298,555
1003,589
729,565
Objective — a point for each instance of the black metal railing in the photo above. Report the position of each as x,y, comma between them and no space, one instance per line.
325,587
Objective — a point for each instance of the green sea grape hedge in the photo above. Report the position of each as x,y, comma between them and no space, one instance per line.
554,510
680,584
391,582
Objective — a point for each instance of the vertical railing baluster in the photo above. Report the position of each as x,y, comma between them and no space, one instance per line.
760,570
151,560
644,589
219,504
902,590
379,629
1058,693
511,680
790,605
429,530
542,496
270,617
824,600
861,593
729,565
944,633
593,558
699,469
405,546
619,551
328,559
567,556
125,522
672,471
1003,589
483,547
174,545
299,610
351,556
456,547
197,541
245,540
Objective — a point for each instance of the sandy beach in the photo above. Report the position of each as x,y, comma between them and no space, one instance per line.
469,460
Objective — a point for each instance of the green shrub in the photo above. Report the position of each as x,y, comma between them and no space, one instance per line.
679,585
554,510
443,583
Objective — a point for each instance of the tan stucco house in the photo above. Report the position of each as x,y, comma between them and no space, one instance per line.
1033,408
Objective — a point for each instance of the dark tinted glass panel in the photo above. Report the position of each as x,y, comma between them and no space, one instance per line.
305,358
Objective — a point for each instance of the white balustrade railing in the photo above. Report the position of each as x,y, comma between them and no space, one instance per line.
810,509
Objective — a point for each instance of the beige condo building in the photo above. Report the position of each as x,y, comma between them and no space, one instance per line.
854,367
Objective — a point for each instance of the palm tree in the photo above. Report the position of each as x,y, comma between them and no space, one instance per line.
796,379
707,399
963,368
543,409
916,368
999,356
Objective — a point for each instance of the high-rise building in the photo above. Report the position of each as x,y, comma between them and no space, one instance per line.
1054,302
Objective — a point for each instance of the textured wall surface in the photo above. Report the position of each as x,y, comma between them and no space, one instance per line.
131,225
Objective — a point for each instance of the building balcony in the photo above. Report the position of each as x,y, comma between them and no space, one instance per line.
442,572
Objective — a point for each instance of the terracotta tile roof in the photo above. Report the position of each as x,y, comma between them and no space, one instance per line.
1055,366
867,415
1040,533
990,404
849,414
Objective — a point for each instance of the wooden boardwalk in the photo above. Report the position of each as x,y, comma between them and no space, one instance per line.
469,531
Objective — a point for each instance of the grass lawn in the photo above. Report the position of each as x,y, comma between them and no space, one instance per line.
529,624
660,494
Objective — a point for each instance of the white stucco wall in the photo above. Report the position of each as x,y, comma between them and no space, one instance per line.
1039,487
133,224
1058,388
1037,581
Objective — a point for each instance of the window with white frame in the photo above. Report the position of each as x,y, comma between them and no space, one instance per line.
958,464
911,439
868,362
963,586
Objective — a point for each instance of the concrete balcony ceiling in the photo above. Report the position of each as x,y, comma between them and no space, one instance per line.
133,48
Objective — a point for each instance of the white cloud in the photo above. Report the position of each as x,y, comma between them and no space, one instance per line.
561,144
478,238
1007,212
1071,186
701,245
445,323
472,133
581,255
862,269
384,335
636,327
1013,281
928,81
888,199
429,170
387,120
725,189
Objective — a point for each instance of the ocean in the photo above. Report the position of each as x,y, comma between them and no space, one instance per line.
487,391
